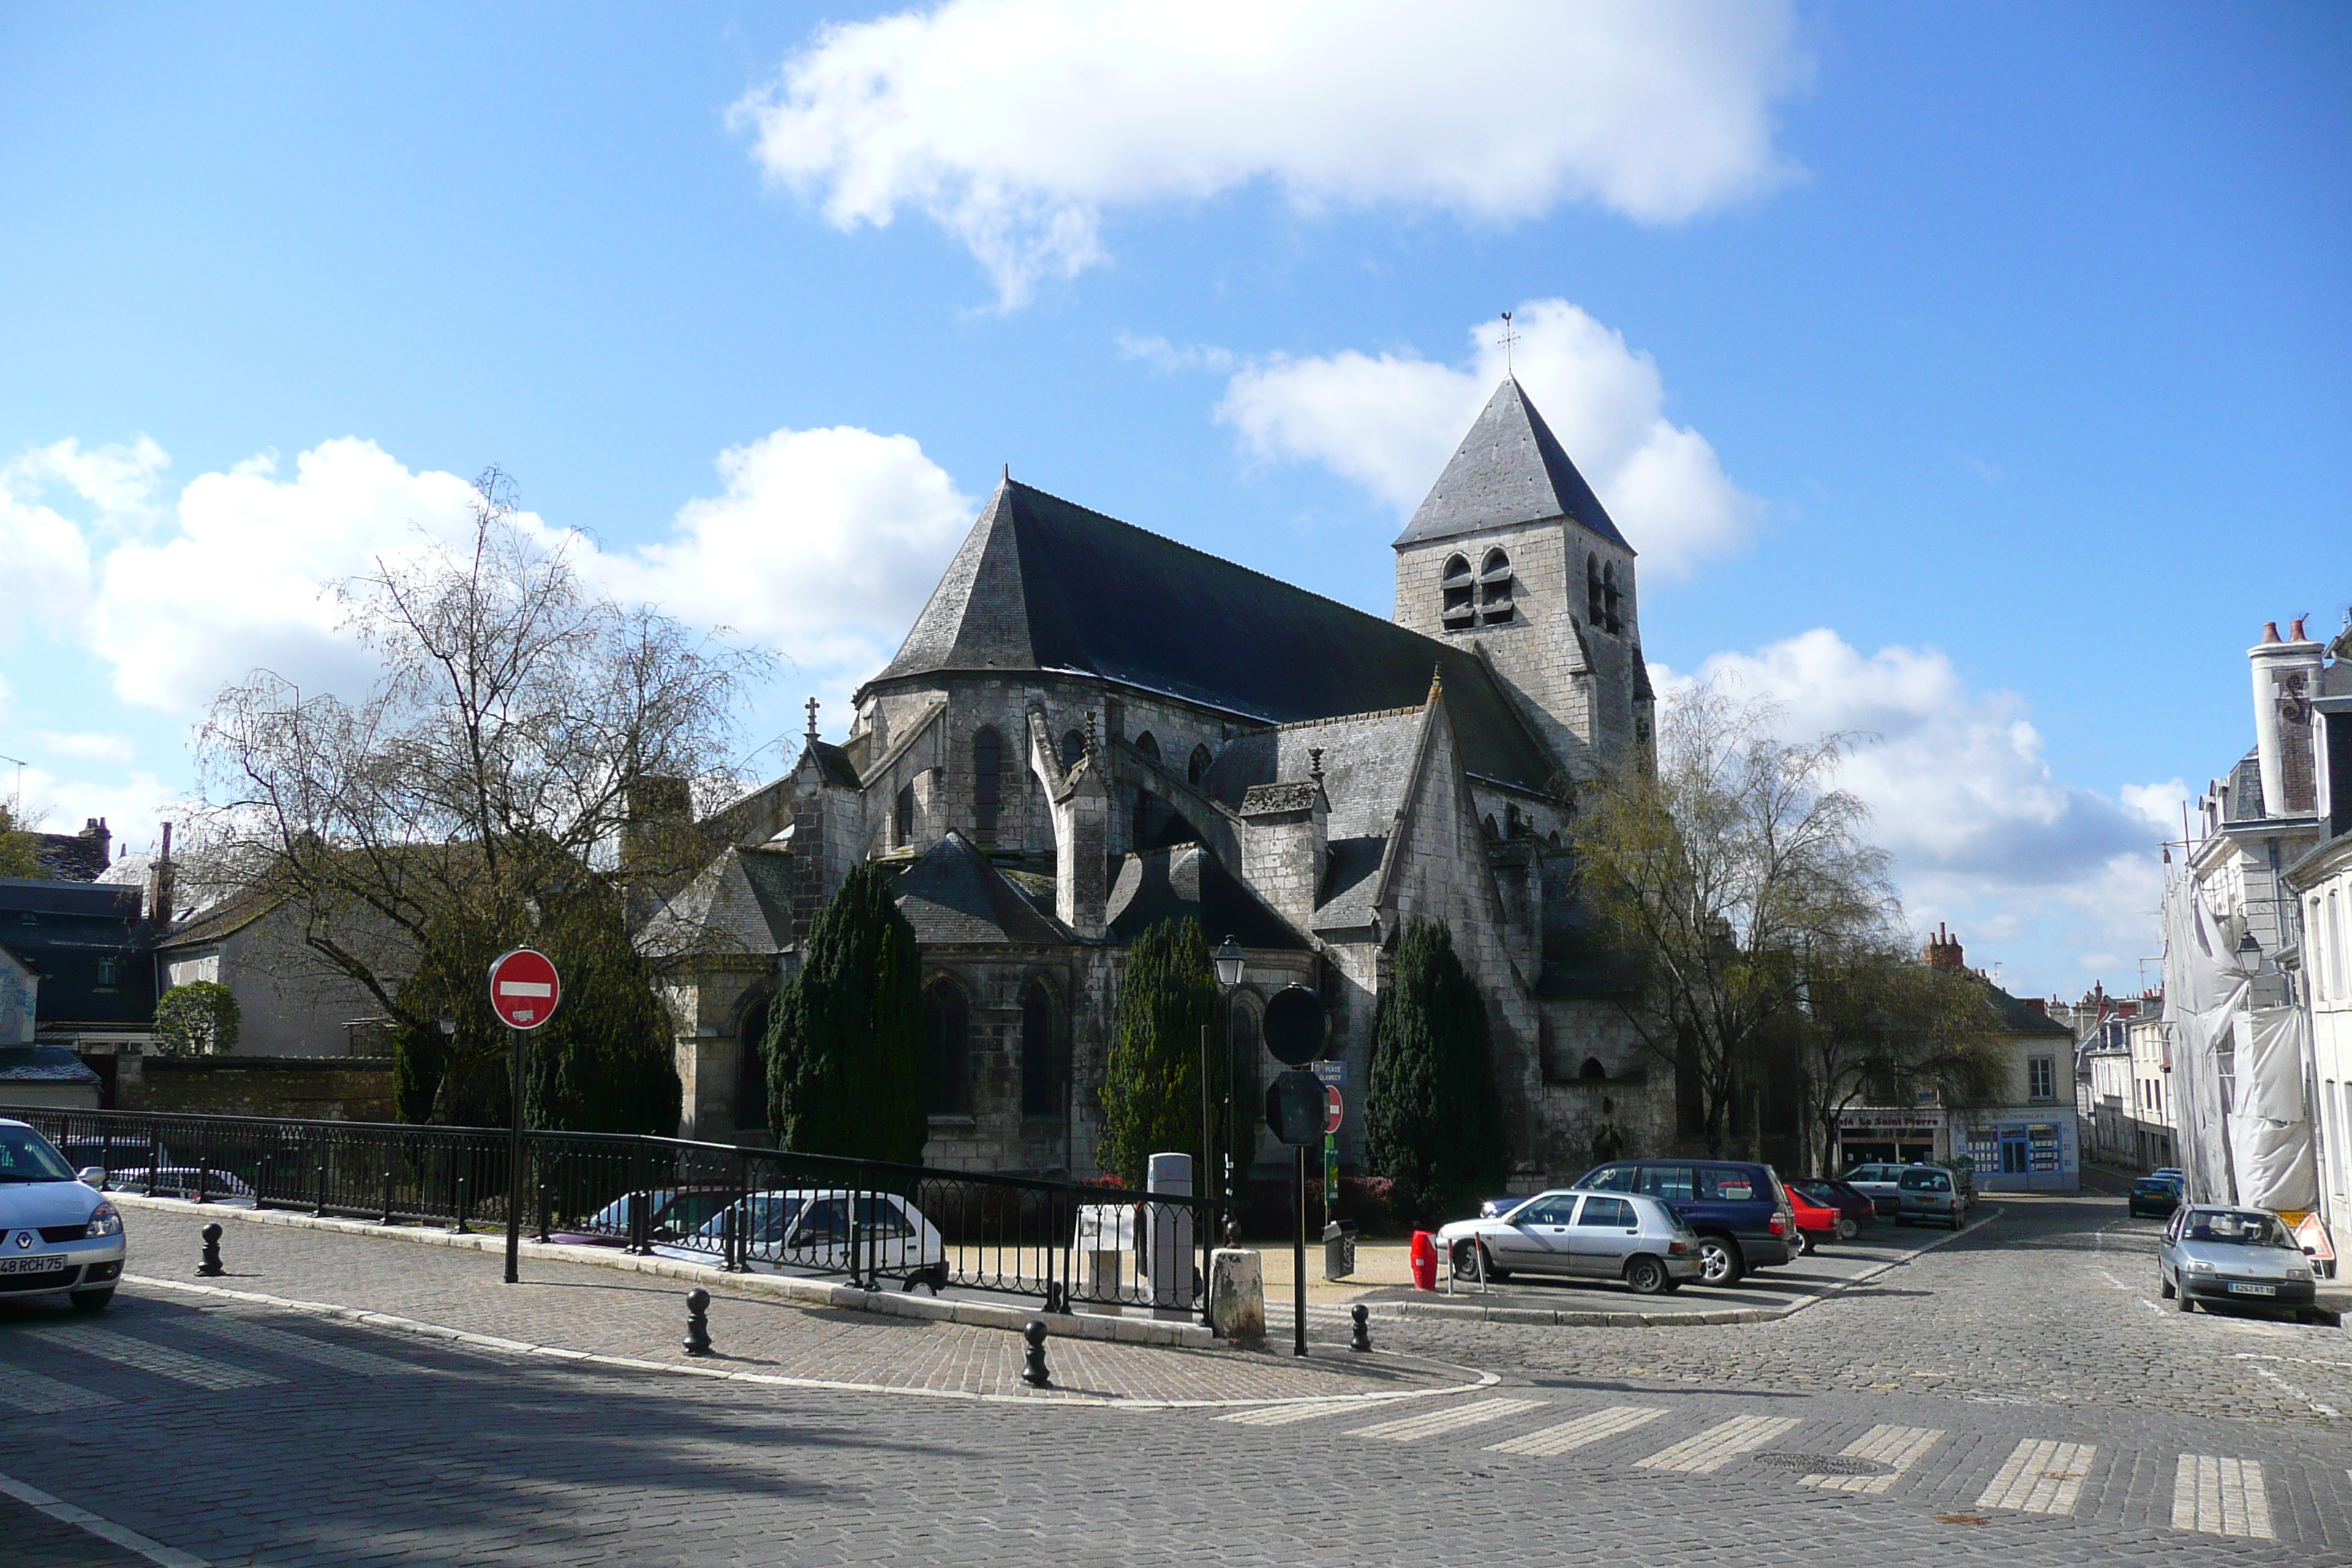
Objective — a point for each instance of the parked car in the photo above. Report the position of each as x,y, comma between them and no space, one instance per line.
1817,1224
1878,1183
671,1213
2242,1255
1740,1212
813,1231
1929,1194
1579,1236
1856,1213
2155,1196
208,1182
66,1238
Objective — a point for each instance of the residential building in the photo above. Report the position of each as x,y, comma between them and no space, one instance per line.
2320,881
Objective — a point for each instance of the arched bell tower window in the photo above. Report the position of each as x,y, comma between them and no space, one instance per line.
1495,606
1609,597
902,817
1198,768
1460,590
1073,746
987,781
1596,603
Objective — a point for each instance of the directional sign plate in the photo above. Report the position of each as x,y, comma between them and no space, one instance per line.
524,988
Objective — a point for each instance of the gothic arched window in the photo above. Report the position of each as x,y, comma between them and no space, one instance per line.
1198,768
987,779
1073,746
751,1067
1147,746
1044,1064
902,817
1596,609
1459,590
947,1049
1592,1069
1609,597
1495,606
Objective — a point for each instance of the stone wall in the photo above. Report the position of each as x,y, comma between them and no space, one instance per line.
326,1089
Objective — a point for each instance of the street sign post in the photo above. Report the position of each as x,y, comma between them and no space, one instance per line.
1295,1106
524,991
1334,1108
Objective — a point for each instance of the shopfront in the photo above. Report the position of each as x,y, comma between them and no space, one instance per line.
1890,1137
2020,1150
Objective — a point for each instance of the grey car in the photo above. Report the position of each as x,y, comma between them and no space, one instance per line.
1582,1235
58,1237
2242,1255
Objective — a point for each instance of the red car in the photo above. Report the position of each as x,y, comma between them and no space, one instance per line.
1816,1222
1856,1213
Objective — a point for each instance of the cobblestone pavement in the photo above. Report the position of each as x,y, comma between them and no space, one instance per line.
2061,1421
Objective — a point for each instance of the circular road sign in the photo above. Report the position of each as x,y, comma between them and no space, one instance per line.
1294,1025
1334,1107
524,988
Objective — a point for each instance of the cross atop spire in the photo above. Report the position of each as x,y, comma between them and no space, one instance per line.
1506,340
812,706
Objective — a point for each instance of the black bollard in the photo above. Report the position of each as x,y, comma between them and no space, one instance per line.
210,1268
1362,1338
1032,1370
697,1323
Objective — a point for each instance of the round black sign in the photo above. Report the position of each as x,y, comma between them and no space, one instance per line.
1294,1025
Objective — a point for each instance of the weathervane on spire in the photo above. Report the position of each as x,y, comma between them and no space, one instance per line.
1506,340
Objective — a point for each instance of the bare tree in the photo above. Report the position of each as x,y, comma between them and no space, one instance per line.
1721,874
493,783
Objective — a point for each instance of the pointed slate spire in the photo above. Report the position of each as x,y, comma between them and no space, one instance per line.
1510,469
978,617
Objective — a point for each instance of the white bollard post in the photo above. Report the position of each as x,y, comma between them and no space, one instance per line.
1167,1238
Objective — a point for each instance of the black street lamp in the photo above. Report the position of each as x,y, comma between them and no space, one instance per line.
1230,966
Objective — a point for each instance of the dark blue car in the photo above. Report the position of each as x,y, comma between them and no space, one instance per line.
1742,1217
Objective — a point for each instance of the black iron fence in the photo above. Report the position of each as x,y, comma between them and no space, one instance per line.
1064,1243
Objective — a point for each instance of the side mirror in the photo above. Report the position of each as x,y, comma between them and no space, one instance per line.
92,1176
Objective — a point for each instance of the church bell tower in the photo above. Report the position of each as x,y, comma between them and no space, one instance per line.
1511,554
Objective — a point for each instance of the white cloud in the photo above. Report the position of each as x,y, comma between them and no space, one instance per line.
1389,423
87,745
1982,831
1014,124
1168,357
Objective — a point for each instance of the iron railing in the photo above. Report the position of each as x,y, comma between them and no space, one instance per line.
1064,1243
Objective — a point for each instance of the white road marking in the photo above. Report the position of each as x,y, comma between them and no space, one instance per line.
1284,1414
1453,1418
1901,1446
104,1529
300,1347
1718,1445
1546,1442
161,1359
2041,1477
29,1391
2220,1497
2291,1391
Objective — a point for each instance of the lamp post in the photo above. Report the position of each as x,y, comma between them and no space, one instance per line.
1230,967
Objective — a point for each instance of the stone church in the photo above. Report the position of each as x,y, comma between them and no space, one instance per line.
1091,729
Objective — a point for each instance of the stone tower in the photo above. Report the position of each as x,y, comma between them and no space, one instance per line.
1511,554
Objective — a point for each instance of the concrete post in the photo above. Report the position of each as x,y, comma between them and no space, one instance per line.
1167,1238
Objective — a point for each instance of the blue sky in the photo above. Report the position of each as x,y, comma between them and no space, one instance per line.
1973,376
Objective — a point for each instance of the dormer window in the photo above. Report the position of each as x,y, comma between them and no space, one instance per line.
1495,606
1460,611
1596,601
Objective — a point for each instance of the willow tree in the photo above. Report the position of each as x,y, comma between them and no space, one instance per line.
485,791
1432,1123
1727,876
844,1035
1151,1094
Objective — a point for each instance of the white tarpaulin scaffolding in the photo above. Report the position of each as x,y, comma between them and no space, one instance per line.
2269,1124
2203,989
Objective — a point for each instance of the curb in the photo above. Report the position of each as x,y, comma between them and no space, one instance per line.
800,1292
423,1330
1566,1318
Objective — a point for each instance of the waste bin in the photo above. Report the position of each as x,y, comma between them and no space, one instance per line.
1424,1261
1339,1249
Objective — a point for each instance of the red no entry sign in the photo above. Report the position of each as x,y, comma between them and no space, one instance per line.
1332,1108
524,988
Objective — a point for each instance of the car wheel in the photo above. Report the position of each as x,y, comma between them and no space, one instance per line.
2306,1315
2181,1300
2163,1286
1959,1219
1805,1244
1648,1276
92,1300
1903,1219
1468,1256
1848,1227
1720,1262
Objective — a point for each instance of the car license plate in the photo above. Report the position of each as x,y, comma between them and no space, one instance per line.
32,1265
2238,1290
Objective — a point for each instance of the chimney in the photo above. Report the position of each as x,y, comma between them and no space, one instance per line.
1943,948
159,889
98,833
2038,1005
2285,678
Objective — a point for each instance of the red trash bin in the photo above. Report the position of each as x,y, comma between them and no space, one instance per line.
1424,1261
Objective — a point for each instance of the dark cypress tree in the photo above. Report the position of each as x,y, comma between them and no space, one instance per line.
844,1035
1152,1084
1432,1125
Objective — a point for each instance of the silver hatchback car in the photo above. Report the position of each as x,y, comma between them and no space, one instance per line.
2242,1255
1580,1235
57,1237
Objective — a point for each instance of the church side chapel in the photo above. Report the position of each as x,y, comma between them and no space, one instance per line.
1091,729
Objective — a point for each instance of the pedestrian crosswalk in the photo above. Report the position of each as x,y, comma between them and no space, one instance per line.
2219,1496
2041,1477
1451,1416
1566,1436
1897,1448
1710,1450
146,1355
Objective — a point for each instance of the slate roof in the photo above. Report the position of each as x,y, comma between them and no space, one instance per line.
230,915
1041,584
1509,468
740,902
2022,1017
1173,884
43,1064
954,895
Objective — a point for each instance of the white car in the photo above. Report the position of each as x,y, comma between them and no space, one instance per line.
58,1237
810,1230
1581,1235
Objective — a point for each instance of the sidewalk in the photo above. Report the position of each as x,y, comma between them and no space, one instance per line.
591,1309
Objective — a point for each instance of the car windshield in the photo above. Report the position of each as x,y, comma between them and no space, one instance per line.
771,1215
1927,1181
25,1156
2237,1227
2151,1185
